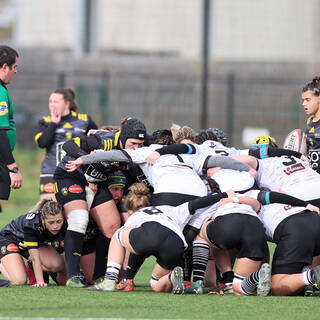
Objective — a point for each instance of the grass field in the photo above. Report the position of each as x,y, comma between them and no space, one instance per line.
22,302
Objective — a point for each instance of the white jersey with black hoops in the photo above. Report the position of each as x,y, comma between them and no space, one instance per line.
173,218
172,173
292,175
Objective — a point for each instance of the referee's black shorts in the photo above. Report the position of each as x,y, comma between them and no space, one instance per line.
5,182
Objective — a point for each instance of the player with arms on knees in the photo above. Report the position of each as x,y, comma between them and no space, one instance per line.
27,237
153,230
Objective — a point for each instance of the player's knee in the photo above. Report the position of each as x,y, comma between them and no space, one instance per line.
78,220
109,229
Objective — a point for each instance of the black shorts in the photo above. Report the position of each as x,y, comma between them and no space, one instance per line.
69,189
170,199
5,182
297,239
152,238
241,231
8,246
46,184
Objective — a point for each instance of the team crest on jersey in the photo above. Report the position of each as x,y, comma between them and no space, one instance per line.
294,168
48,187
3,108
75,188
64,191
13,248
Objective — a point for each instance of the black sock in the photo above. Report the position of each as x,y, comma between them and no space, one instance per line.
227,277
187,270
100,264
73,243
134,264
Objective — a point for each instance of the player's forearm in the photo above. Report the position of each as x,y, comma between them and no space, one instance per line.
226,163
112,155
46,137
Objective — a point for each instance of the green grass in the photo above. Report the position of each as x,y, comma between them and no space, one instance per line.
61,302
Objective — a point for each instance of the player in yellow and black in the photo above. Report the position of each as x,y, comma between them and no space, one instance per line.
28,236
64,123
70,189
311,105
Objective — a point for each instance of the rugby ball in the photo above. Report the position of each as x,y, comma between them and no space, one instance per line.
296,141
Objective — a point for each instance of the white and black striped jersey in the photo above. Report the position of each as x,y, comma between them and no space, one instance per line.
172,173
214,148
174,218
272,214
292,175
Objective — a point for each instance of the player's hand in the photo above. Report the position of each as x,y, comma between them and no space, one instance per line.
211,171
253,172
40,284
152,157
230,193
93,187
92,131
74,165
225,201
97,150
55,115
313,208
16,180
304,158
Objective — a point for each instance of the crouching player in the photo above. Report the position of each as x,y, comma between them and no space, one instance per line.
153,231
26,237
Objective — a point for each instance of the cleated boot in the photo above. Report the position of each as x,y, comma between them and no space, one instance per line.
77,281
264,284
195,288
125,285
105,285
176,278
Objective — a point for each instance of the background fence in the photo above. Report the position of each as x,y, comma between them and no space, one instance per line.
235,101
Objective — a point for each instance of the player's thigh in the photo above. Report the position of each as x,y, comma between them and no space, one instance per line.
50,259
14,266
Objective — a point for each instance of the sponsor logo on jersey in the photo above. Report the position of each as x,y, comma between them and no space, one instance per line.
3,108
13,247
75,188
294,168
48,187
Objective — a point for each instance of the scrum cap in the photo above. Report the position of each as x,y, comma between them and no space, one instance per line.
132,129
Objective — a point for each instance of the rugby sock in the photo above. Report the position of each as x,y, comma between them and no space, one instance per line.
134,264
200,258
307,276
102,248
187,270
227,277
113,270
249,283
73,243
